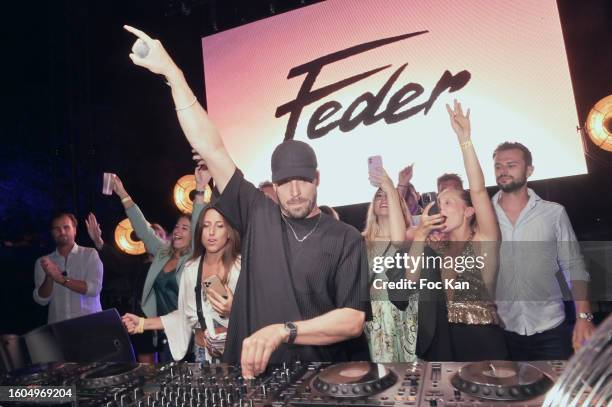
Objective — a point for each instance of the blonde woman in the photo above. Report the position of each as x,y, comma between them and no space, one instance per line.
161,287
392,331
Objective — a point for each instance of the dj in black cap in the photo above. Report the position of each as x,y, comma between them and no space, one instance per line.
300,297
302,288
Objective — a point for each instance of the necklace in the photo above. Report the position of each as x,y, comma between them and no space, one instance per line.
307,234
445,245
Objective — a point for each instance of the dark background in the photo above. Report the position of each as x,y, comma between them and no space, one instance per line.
75,106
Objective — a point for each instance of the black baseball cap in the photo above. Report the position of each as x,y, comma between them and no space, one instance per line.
293,159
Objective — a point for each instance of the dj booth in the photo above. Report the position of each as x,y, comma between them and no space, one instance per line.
99,380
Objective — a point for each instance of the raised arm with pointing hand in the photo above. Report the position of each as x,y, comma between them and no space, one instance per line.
195,123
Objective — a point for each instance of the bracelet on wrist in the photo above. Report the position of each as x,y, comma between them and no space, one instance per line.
140,328
466,144
126,199
193,102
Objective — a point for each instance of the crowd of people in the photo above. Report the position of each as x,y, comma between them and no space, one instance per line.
265,275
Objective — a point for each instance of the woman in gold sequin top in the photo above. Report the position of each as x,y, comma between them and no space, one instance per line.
460,271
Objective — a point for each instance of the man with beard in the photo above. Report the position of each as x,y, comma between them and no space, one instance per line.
529,293
70,278
299,294
298,297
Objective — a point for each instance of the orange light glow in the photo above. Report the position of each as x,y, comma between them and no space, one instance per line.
599,123
124,240
183,191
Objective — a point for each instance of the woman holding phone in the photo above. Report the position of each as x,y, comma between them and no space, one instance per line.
205,293
464,324
391,333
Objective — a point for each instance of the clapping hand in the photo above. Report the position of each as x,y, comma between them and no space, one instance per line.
51,269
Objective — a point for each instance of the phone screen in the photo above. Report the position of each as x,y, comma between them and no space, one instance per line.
434,210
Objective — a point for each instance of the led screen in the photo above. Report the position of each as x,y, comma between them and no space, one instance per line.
370,77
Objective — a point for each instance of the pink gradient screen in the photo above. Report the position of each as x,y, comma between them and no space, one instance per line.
504,60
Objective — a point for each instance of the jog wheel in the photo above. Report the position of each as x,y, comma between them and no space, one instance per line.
501,380
354,379
112,374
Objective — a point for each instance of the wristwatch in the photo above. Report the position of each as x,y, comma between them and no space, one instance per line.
65,281
292,328
585,315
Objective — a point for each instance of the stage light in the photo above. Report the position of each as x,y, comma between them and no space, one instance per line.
599,124
184,192
125,239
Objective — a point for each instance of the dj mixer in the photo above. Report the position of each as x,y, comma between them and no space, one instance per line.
297,384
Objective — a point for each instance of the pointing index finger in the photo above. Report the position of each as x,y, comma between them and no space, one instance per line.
140,34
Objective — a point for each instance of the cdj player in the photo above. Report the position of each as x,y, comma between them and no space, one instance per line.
361,384
584,380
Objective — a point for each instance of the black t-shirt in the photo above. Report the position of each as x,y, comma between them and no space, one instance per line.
328,271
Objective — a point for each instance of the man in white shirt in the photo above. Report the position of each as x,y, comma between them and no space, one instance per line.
69,280
529,295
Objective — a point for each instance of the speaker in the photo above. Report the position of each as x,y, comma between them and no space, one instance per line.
98,337
13,354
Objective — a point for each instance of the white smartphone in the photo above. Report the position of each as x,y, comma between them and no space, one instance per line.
374,165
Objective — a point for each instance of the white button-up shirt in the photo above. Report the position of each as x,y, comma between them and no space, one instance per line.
535,250
82,263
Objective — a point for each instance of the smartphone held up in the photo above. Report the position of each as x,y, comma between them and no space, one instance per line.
375,167
429,197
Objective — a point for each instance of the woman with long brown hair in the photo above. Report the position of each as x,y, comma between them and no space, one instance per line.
216,256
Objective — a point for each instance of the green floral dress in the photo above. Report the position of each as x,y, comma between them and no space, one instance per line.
392,332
